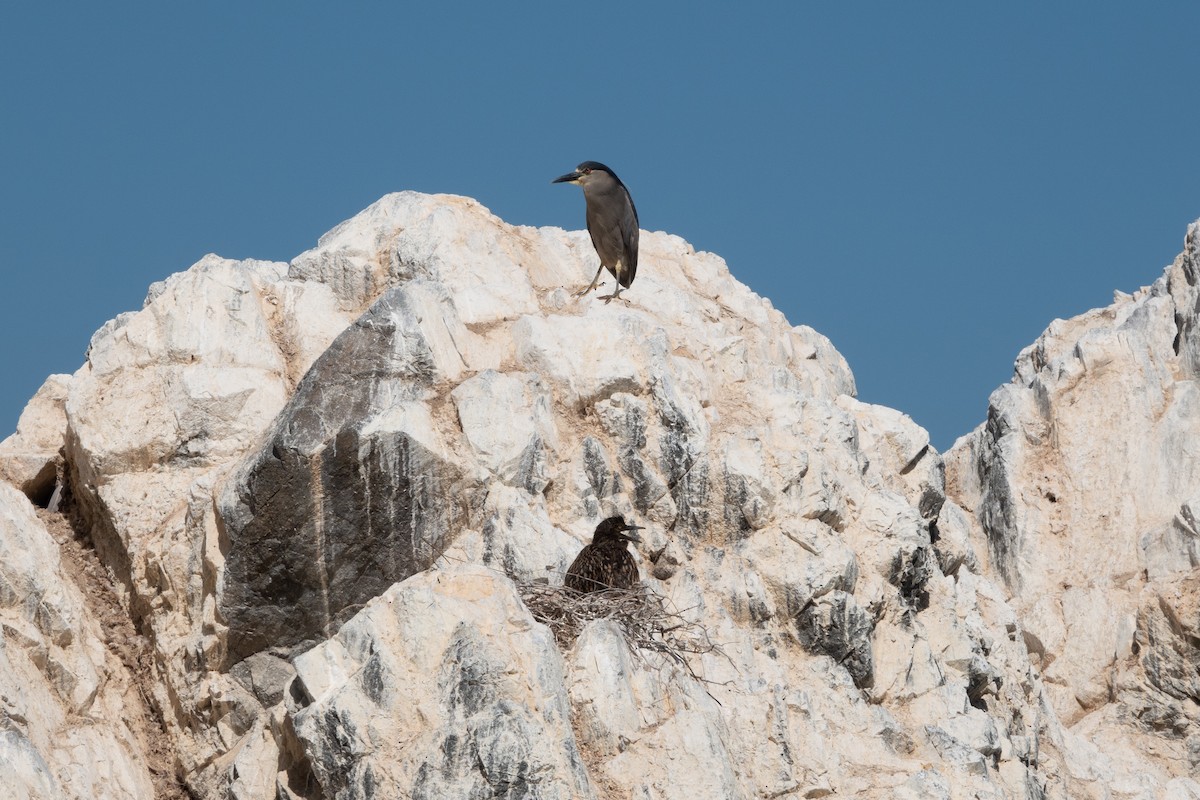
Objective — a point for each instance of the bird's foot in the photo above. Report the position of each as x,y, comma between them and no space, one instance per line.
608,298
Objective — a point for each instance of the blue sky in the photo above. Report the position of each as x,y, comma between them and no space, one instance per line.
927,184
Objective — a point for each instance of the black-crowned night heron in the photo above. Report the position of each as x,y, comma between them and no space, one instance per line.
612,221
605,563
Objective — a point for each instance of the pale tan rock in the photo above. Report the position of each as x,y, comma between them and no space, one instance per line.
340,466
169,396
443,687
66,702
1081,484
29,457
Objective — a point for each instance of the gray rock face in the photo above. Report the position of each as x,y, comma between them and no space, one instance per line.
353,490
838,628
318,487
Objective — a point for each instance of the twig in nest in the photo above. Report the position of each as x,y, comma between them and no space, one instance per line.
646,623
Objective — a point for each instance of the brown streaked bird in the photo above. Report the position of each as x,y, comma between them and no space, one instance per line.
606,563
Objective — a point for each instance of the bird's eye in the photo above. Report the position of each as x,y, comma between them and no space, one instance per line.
587,171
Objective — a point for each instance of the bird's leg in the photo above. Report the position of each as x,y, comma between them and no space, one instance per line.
616,292
594,283
608,298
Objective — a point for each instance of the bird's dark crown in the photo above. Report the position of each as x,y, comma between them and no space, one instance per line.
615,530
589,166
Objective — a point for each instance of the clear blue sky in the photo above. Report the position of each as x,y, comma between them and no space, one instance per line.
927,184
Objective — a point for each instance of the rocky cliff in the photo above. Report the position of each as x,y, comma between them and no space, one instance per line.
1084,482
277,537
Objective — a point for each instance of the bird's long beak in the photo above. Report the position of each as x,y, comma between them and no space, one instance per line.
630,533
570,177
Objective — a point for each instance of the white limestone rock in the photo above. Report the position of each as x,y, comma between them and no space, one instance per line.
905,462
443,686
518,539
337,468
169,397
360,483
65,700
509,424
1081,483
29,458
953,541
715,445
453,241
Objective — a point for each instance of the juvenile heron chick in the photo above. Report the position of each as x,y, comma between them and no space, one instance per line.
606,563
612,221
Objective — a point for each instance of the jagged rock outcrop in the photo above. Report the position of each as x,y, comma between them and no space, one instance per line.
319,486
29,459
1083,482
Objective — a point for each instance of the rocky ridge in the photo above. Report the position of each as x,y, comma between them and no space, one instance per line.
318,487
1084,482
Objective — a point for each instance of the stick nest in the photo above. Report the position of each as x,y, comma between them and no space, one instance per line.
644,617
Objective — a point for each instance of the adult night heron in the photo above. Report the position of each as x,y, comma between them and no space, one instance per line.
612,221
605,563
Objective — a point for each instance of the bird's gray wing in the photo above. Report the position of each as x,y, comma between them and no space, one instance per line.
608,238
629,242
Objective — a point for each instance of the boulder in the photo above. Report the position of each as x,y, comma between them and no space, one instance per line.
31,457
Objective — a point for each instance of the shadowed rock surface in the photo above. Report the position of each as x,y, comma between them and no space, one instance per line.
352,492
